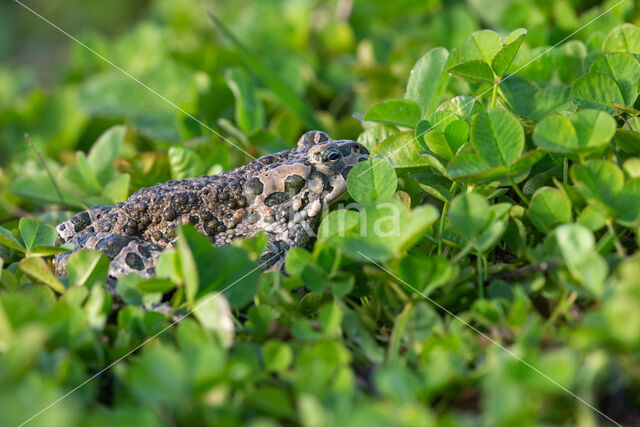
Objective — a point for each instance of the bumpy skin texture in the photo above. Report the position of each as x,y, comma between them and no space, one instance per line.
281,194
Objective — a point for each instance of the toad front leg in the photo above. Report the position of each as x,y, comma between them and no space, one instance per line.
300,235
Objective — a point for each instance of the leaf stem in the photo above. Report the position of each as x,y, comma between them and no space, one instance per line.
457,257
494,94
443,217
567,299
479,275
518,191
565,170
616,242
398,332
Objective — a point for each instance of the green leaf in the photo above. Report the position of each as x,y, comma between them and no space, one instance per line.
373,136
371,180
88,175
389,227
188,268
249,111
594,128
428,79
38,186
482,45
631,167
338,223
598,91
497,136
588,130
156,284
39,270
401,150
400,112
214,313
556,134
437,143
117,190
549,100
330,318
185,163
271,79
34,233
469,213
599,181
474,70
7,239
628,140
526,161
277,355
169,265
627,203
490,236
462,106
457,133
104,152
438,120
87,268
503,58
206,268
47,250
624,69
623,38
549,207
296,260
472,168
426,273
575,242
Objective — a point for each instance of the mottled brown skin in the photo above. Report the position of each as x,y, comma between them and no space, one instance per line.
281,194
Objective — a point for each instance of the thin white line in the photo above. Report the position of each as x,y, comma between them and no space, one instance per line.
126,73
211,298
504,79
494,342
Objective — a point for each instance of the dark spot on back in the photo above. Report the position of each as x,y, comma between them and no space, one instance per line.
134,261
80,221
144,251
293,184
277,198
112,245
251,189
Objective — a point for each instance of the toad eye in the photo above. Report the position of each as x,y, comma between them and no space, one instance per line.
332,156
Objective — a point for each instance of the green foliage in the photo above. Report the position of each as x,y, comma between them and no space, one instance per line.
502,193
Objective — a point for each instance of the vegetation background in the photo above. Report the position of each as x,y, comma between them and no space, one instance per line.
536,251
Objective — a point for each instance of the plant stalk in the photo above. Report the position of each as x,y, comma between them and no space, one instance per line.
518,191
479,275
616,241
494,94
443,218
